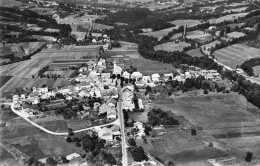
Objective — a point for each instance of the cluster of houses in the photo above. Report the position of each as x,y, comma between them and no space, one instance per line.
194,72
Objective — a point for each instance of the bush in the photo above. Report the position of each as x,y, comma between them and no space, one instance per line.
193,132
211,144
205,91
249,157
139,154
132,142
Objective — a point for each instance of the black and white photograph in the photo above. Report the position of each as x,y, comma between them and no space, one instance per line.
130,83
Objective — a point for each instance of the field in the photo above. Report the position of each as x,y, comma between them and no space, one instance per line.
199,36
227,18
156,34
32,141
227,117
24,69
10,3
236,54
195,53
172,46
62,73
4,79
68,52
189,23
180,147
209,46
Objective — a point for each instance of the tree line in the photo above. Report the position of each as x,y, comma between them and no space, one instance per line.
248,65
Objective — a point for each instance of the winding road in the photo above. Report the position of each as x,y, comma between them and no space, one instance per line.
116,122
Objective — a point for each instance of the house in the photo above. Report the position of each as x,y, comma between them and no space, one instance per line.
84,93
105,75
111,102
126,75
140,127
140,103
127,97
111,113
96,106
167,76
33,98
155,77
146,79
64,91
103,108
115,130
49,38
68,97
15,98
82,69
72,156
106,134
40,90
117,70
79,35
140,83
48,95
136,75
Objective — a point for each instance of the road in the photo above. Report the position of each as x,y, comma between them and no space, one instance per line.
116,122
252,79
122,127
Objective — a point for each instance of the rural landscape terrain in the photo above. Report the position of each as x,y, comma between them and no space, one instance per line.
130,83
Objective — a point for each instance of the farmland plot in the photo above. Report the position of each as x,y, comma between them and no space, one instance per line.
227,117
189,23
195,53
236,54
172,46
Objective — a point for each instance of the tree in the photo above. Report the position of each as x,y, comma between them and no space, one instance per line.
139,154
64,160
30,161
193,132
131,142
51,162
70,132
205,91
249,156
147,130
109,158
170,163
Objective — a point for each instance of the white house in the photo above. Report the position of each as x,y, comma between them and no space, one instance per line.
105,75
106,134
111,113
167,76
136,75
139,125
117,70
84,93
40,90
155,77
140,103
126,75
146,79
15,98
